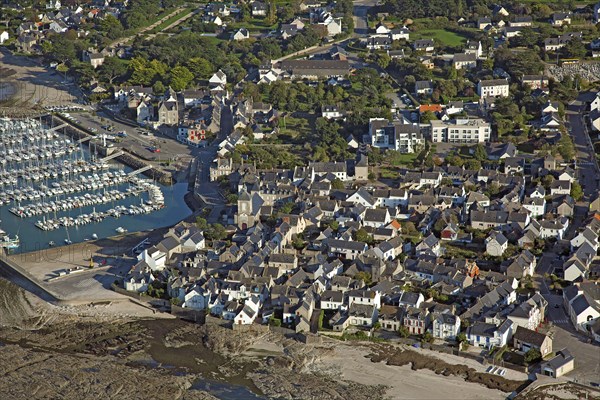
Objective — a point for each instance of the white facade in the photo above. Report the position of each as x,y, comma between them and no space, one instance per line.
493,88
460,131
154,258
446,328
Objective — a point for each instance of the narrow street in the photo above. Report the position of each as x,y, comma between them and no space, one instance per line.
588,173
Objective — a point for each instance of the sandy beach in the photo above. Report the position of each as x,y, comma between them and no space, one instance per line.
351,364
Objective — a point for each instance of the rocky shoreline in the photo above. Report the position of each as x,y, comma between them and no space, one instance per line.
59,352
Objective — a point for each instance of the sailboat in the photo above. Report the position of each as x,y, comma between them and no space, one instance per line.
68,239
9,243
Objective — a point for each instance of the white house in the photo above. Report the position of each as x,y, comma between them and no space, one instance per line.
196,299
193,242
487,335
400,33
535,205
362,315
464,60
382,29
529,314
333,25
241,34
365,297
332,300
331,112
218,78
249,312
560,186
554,228
347,249
145,111
445,326
595,104
496,244
573,270
586,236
493,88
154,258
376,217
582,303
3,37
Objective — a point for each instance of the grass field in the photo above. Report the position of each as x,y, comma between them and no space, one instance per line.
254,25
295,130
398,159
446,37
171,20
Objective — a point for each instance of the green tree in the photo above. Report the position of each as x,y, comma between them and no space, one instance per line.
364,276
473,165
337,184
232,198
201,223
383,60
286,208
403,332
321,318
298,243
200,67
215,232
159,88
532,355
428,116
409,228
427,337
62,49
565,147
181,77
479,152
574,49
111,69
361,235
111,27
576,191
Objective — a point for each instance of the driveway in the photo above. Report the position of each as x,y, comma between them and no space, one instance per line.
361,9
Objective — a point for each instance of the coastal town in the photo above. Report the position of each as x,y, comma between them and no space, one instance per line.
418,182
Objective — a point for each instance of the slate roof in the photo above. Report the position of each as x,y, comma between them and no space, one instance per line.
528,336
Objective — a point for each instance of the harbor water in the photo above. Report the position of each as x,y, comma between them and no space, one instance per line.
33,161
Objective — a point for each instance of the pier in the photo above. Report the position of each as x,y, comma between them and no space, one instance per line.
139,171
112,156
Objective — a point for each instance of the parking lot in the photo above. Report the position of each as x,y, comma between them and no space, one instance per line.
137,141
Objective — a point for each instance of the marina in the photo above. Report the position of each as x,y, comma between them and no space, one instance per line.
60,192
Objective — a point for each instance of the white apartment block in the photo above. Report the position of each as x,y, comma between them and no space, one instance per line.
405,138
493,88
460,131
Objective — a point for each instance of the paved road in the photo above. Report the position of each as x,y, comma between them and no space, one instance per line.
589,174
361,9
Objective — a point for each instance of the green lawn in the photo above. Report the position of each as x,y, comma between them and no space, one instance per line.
254,25
446,37
294,130
398,159
171,20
